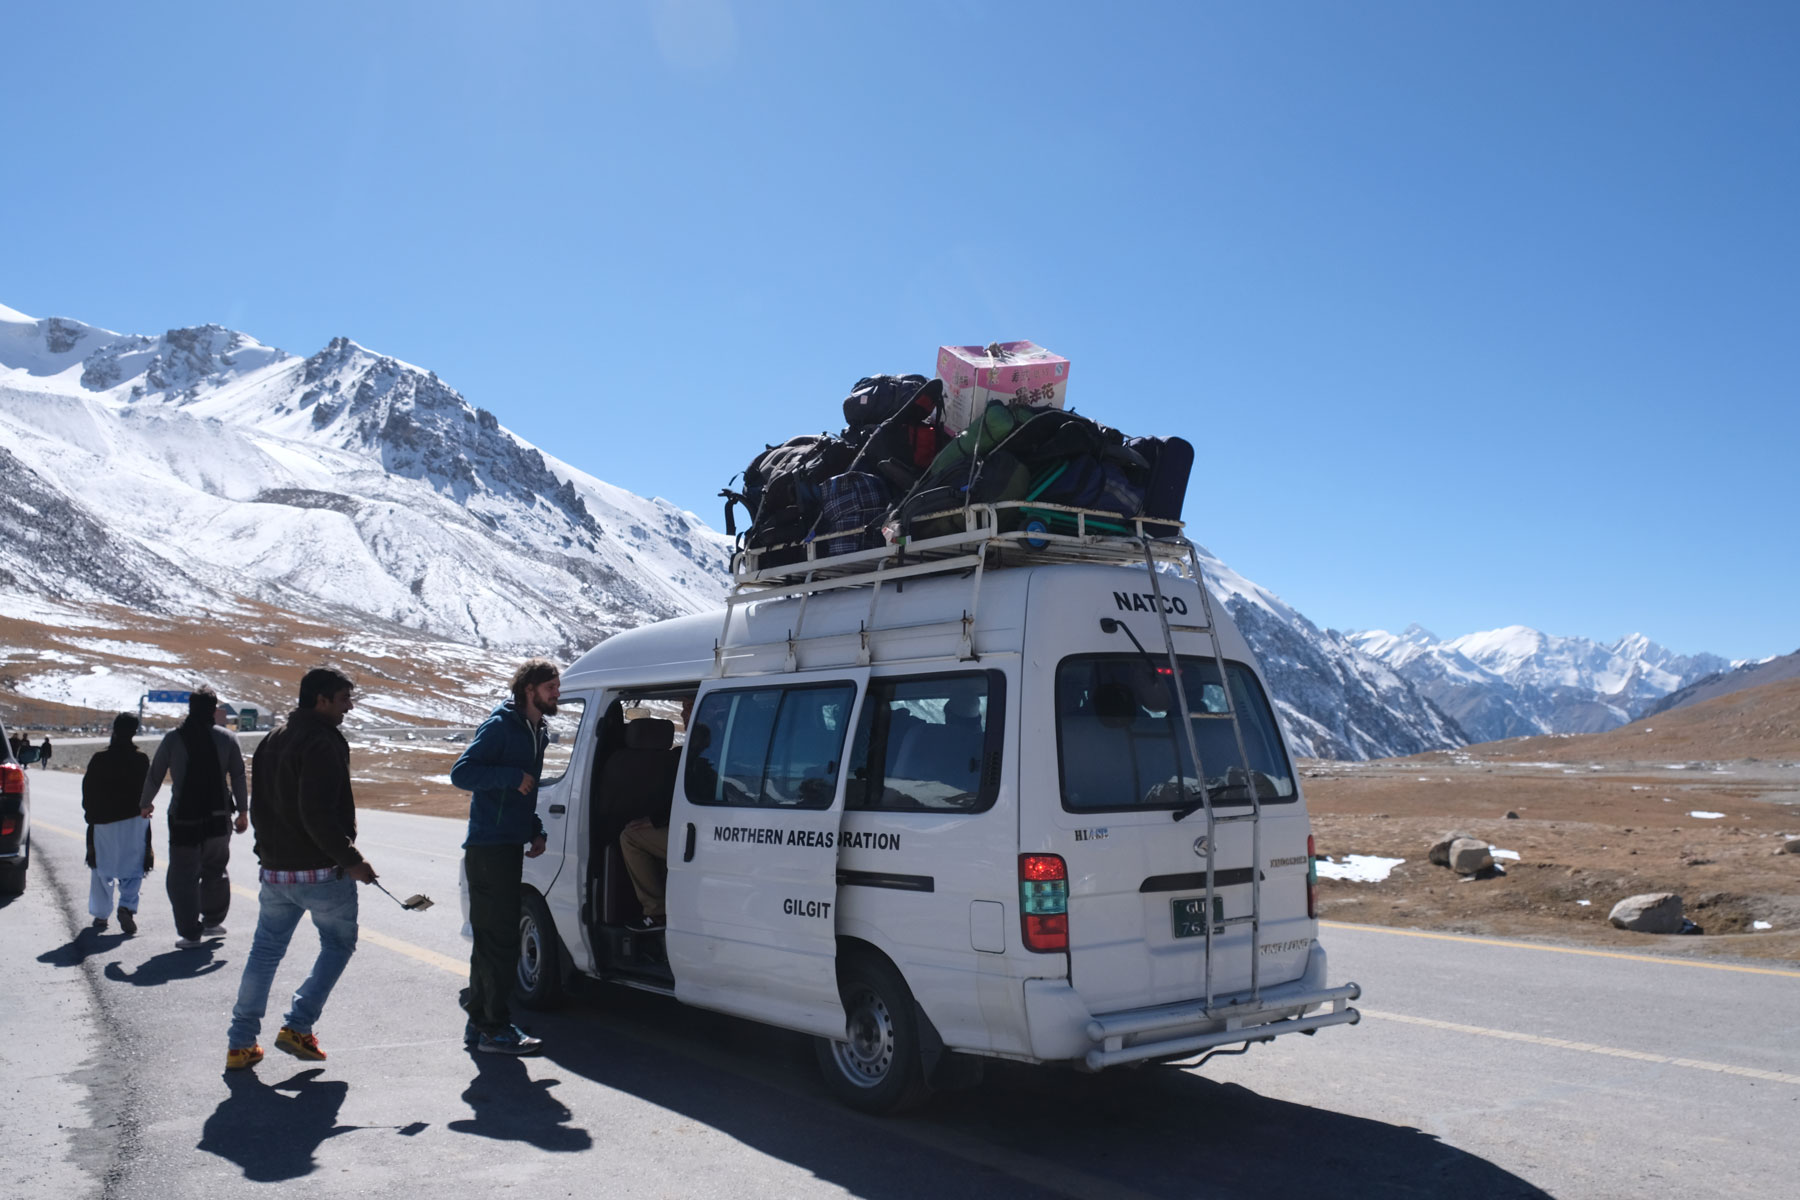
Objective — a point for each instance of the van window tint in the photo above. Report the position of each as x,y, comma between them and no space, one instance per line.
1120,746
928,743
766,747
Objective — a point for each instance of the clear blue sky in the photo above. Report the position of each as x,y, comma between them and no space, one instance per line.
1478,314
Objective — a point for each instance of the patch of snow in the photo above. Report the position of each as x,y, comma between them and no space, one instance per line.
1675,766
1512,854
1761,925
142,651
1358,868
1584,903
443,779
1707,816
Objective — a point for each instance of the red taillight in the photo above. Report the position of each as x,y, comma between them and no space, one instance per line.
1312,881
8,826
1044,902
12,779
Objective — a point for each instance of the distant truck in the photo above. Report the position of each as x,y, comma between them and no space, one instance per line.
246,719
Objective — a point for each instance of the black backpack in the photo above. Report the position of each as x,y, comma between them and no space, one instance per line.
783,490
875,398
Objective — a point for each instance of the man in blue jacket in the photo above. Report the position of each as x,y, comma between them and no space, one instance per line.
501,766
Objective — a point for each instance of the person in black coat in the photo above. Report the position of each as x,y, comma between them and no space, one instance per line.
110,800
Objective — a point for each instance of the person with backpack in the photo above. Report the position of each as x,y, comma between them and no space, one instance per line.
501,768
110,792
206,771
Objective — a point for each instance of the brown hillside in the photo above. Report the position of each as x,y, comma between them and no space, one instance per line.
1760,723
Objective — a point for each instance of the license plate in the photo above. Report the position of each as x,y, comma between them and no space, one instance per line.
1190,915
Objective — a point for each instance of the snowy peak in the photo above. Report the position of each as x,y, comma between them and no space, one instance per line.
1518,681
199,466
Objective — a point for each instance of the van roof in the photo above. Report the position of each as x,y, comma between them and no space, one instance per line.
681,649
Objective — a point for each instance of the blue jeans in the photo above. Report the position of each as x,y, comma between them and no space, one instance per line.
333,908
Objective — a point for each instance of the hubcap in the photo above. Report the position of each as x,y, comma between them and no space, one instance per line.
531,953
868,1055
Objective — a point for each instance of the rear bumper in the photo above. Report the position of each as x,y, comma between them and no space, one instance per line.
1062,1029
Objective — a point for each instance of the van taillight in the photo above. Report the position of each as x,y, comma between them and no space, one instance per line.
1312,881
9,825
1044,902
12,779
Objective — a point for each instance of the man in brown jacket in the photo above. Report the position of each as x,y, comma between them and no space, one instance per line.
305,818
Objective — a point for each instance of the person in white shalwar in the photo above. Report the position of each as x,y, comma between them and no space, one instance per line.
110,792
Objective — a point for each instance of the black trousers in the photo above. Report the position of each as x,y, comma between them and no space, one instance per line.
495,874
199,889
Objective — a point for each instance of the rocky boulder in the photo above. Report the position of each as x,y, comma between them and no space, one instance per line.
1652,912
1791,846
1470,855
1439,854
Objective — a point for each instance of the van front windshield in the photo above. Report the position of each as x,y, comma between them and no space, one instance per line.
1120,744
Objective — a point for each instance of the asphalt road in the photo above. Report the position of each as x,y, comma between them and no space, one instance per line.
1482,1068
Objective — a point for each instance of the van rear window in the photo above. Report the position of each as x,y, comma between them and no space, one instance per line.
769,747
1120,745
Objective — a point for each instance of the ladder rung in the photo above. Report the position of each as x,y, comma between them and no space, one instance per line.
1189,628
1234,818
1235,921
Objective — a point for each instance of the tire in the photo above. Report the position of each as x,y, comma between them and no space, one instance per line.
12,876
877,1070
540,956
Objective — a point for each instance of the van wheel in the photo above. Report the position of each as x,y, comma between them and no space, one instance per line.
877,1069
540,955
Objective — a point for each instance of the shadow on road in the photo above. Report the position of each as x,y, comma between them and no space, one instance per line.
512,1106
270,1134
167,967
1025,1131
81,947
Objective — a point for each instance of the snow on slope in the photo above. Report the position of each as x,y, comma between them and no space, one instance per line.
203,463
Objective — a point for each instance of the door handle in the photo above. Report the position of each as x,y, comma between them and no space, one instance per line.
557,810
687,855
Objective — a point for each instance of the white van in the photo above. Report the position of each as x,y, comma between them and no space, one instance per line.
936,805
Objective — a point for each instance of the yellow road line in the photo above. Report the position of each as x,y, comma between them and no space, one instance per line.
37,825
1696,1064
1482,941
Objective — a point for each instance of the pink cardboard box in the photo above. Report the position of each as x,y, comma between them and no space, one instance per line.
1017,372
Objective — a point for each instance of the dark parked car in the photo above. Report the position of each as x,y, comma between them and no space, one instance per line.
15,817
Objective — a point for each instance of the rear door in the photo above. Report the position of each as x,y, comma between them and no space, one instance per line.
1107,790
753,835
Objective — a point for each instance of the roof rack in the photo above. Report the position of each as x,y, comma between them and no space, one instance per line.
992,535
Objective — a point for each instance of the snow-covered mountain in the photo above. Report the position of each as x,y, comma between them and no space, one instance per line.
201,472
164,473
1516,682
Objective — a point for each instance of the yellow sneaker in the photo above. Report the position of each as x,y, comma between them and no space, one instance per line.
300,1045
240,1058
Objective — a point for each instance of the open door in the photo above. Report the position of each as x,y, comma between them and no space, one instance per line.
753,835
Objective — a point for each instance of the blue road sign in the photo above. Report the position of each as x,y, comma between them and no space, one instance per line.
168,697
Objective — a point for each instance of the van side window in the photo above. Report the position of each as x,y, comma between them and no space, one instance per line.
769,747
1121,744
929,743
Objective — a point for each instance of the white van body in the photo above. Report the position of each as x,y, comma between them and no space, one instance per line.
776,882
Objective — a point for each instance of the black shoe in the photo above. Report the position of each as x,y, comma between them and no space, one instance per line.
648,924
127,920
99,925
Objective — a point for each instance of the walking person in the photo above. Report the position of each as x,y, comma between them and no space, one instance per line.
501,767
111,791
44,754
206,770
305,818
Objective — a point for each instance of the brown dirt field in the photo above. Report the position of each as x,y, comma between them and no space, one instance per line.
1605,816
